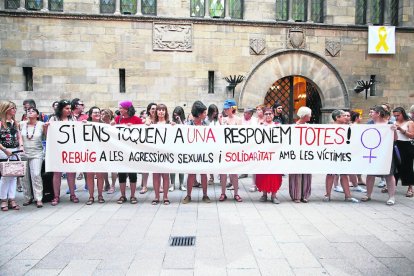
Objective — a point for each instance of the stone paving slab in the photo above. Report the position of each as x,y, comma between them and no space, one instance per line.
248,238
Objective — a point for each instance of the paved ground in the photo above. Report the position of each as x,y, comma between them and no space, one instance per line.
249,238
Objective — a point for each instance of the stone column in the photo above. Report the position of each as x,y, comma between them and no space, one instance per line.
368,12
227,9
387,12
139,13
206,9
290,19
309,12
45,6
117,7
22,5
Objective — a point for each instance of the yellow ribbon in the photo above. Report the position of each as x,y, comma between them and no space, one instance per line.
382,35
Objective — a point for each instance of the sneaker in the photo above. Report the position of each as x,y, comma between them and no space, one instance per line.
253,189
206,199
338,189
381,183
187,199
391,201
230,187
275,200
359,189
172,188
183,188
351,199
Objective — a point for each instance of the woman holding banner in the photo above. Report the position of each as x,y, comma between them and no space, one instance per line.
300,184
230,108
149,119
106,117
63,113
127,117
212,120
405,132
380,117
269,183
94,116
161,118
178,118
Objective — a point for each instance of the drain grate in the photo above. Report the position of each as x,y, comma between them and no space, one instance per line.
182,241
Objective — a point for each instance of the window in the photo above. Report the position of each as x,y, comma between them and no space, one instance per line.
236,9
377,12
34,5
122,81
395,6
55,5
197,8
128,6
12,4
149,7
107,6
317,11
216,8
299,9
361,12
28,75
282,10
211,82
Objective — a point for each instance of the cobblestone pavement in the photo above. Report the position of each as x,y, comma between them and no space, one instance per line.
248,238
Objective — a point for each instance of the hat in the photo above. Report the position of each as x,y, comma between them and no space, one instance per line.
229,103
249,109
125,104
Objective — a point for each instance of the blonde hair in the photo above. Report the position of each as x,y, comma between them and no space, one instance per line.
4,107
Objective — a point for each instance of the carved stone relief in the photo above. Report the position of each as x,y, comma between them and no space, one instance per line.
257,46
296,38
332,48
172,37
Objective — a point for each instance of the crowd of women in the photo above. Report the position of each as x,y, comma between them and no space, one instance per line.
29,136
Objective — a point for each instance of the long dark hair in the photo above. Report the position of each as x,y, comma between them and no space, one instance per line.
90,112
180,113
211,109
402,111
61,105
149,108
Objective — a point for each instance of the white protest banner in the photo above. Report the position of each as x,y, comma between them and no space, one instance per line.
381,39
340,149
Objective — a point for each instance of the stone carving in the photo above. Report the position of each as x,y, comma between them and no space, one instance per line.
332,48
257,46
172,37
296,38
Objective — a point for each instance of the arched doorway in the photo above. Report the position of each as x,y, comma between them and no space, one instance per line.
315,68
293,92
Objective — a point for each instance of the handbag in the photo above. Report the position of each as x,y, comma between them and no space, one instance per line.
13,167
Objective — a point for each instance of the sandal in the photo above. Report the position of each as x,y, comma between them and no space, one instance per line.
90,201
211,181
238,198
155,202
39,204
27,203
409,194
166,202
55,201
143,190
13,205
384,190
133,200
391,201
101,199
197,184
4,205
365,199
74,199
121,200
223,197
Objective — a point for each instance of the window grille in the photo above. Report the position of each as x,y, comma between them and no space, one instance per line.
34,5
107,6
12,4
197,8
299,10
317,11
28,76
361,12
211,82
55,5
149,7
236,9
216,8
282,10
377,12
128,6
394,12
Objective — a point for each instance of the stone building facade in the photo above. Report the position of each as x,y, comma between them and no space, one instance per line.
175,58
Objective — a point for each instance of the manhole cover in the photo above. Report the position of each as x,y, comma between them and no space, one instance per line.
182,241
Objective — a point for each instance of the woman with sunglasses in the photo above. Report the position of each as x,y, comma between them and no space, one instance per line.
33,132
269,183
10,140
106,117
63,113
